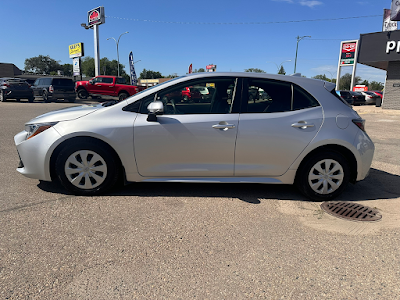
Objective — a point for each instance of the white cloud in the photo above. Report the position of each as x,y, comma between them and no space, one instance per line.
310,3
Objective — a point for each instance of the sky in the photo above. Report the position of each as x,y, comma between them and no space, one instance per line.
168,36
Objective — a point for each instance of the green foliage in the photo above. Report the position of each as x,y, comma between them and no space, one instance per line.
376,86
281,71
322,77
149,74
345,81
107,67
254,70
43,65
67,69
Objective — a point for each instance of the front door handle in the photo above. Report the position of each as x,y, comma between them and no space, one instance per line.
302,125
224,126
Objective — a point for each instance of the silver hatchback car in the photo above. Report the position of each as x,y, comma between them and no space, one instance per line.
300,132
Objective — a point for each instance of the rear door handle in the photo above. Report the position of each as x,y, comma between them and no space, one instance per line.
302,125
223,126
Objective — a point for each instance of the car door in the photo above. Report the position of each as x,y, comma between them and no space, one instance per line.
36,88
189,139
274,129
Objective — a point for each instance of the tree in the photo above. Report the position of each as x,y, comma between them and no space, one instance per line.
149,74
67,69
322,77
345,81
376,86
107,67
282,71
254,70
41,64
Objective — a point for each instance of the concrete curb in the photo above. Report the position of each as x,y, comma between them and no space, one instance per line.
372,109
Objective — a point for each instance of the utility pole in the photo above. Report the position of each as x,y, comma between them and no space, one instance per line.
299,38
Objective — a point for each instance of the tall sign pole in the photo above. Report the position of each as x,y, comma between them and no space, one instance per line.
96,17
347,57
96,50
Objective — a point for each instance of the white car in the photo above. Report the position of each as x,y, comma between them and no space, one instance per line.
302,134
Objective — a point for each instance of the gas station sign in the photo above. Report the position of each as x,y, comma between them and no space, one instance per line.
348,53
96,16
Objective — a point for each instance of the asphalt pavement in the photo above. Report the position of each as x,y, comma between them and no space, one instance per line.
196,241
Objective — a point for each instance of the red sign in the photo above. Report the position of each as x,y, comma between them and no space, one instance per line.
96,16
360,88
349,47
211,67
190,68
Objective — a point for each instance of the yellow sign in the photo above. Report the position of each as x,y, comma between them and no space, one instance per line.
75,50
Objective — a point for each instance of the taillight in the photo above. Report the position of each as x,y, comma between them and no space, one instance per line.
51,89
360,123
6,84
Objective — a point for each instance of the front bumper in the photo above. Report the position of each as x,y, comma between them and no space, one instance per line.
35,153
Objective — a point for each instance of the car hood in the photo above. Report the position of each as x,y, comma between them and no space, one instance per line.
66,114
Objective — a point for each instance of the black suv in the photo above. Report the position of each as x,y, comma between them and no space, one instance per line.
15,88
53,88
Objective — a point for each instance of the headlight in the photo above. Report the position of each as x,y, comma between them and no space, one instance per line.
35,129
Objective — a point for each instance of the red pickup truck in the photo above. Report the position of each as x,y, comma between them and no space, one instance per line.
106,85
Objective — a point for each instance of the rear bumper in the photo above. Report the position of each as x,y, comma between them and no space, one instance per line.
18,94
62,95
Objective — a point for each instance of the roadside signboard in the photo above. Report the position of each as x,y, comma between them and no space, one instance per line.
360,88
211,68
76,66
348,53
96,16
395,10
388,25
132,69
76,50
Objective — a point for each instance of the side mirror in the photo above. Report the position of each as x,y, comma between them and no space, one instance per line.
155,108
91,81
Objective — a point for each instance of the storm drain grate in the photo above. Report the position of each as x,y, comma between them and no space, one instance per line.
351,211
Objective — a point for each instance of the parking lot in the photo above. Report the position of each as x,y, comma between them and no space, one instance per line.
205,241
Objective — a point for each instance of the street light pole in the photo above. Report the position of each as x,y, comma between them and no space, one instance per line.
117,42
278,67
299,38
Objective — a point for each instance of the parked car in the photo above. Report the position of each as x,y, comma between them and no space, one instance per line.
53,88
303,134
346,96
370,97
379,93
191,94
358,98
15,88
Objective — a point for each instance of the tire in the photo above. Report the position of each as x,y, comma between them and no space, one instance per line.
91,163
122,96
45,97
319,184
31,99
82,94
2,97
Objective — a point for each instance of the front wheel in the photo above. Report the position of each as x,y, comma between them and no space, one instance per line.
82,94
323,176
2,97
87,168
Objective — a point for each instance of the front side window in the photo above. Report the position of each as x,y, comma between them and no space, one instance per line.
202,96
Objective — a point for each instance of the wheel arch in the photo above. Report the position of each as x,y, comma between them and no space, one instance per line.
80,139
348,155
123,91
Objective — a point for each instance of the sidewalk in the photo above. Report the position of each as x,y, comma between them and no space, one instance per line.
372,109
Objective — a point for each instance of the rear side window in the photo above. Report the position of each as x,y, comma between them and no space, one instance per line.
302,99
268,96
107,80
121,80
63,82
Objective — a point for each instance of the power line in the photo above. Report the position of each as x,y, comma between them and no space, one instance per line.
242,23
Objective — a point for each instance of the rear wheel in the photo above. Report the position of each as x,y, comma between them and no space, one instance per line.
122,96
324,176
46,97
87,168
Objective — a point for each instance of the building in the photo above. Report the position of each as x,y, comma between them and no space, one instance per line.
381,50
9,70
